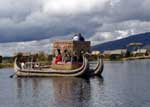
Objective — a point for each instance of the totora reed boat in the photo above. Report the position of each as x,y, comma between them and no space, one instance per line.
71,58
45,72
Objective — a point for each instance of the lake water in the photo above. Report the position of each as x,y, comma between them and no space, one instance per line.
123,84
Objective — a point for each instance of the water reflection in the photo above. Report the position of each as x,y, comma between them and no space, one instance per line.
27,90
70,91
97,92
58,92
24,84
100,80
19,87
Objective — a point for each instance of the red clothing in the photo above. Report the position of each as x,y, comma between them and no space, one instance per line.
58,59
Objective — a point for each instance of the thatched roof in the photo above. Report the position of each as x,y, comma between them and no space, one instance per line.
135,44
119,51
140,51
107,52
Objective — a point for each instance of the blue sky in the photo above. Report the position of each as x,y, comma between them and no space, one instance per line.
30,22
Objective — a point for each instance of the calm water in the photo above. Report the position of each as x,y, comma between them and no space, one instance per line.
124,84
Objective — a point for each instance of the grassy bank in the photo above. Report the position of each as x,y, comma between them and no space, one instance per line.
7,62
6,65
138,57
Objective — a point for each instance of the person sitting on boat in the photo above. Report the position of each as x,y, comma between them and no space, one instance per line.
36,65
58,57
75,57
66,56
78,37
81,56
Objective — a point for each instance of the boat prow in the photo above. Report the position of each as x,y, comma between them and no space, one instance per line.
98,68
16,66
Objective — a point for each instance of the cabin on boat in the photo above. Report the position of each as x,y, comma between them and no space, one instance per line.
71,46
77,45
71,52
68,54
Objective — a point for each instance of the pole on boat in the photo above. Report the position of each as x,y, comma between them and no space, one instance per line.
11,76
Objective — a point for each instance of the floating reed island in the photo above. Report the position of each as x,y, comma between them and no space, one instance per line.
69,58
132,51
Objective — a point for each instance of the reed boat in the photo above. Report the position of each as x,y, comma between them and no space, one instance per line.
82,70
69,58
46,72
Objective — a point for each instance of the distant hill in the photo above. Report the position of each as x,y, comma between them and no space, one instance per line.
122,43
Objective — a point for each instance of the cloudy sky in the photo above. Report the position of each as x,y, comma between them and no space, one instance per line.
30,25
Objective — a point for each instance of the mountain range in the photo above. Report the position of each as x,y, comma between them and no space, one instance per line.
122,43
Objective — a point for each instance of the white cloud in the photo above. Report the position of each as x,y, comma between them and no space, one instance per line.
102,36
98,20
72,6
9,49
122,33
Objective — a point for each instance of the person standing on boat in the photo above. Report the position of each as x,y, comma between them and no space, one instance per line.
58,57
78,37
22,65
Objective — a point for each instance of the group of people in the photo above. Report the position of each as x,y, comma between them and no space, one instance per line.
66,57
25,65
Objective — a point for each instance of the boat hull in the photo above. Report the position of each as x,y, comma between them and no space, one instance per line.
47,72
51,72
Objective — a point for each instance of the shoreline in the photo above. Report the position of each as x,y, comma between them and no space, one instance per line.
135,58
6,65
11,65
128,58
